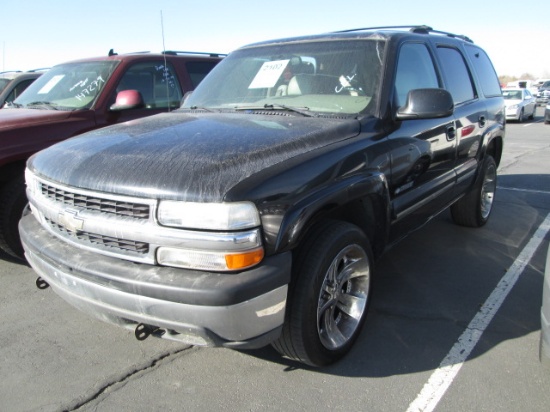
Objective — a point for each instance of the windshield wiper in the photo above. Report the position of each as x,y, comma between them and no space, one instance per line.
198,108
304,111
50,105
11,105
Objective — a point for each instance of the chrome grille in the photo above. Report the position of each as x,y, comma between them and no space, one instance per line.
119,208
109,242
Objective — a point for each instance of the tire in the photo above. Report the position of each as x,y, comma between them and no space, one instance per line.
521,116
474,209
13,200
329,295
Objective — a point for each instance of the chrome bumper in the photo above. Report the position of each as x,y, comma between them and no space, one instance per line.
198,308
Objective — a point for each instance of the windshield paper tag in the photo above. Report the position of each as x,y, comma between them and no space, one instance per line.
51,84
268,74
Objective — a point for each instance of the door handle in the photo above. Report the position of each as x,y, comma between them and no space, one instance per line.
451,132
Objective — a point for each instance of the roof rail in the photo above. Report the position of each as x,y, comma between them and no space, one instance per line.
40,69
177,52
420,29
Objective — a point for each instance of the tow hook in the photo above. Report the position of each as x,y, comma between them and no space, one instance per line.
41,283
143,331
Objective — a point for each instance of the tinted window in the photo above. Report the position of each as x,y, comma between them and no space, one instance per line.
484,70
415,70
457,76
198,70
17,90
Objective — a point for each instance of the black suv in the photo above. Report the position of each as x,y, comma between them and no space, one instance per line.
255,213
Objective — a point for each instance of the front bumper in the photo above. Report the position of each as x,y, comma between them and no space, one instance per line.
243,310
512,114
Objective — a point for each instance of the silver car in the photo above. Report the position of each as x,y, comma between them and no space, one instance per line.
520,104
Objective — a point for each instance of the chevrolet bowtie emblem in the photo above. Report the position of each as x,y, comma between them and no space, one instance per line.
69,220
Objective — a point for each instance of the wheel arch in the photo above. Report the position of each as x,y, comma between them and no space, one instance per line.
360,200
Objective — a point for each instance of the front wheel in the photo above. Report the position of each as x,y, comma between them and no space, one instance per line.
521,116
12,204
329,295
474,208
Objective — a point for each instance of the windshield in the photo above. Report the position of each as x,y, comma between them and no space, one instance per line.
339,77
4,83
511,94
69,86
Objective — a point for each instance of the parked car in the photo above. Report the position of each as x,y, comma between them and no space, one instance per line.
530,85
547,114
520,104
83,95
12,84
543,95
545,314
255,213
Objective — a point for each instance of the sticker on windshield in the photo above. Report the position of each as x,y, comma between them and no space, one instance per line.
51,84
268,74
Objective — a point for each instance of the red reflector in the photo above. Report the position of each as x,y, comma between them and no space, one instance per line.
467,130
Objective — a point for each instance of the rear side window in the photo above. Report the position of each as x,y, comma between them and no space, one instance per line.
457,76
415,70
198,70
484,70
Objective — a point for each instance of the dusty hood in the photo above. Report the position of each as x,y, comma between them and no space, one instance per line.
185,156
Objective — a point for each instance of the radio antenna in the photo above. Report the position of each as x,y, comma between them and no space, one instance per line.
165,71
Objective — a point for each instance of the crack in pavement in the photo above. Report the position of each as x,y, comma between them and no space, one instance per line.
120,381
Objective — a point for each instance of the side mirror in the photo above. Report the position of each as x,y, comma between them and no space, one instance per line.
426,104
128,99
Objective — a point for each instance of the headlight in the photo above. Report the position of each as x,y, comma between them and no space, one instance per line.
203,260
32,183
513,107
236,246
208,216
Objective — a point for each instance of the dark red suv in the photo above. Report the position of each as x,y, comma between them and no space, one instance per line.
82,95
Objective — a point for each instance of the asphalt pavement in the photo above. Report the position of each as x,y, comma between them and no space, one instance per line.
428,289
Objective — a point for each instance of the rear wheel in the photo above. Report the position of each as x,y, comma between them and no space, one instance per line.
13,200
532,116
329,295
475,207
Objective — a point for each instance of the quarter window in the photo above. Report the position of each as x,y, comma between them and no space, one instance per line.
484,70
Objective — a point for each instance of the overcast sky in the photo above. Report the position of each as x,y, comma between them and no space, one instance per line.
41,33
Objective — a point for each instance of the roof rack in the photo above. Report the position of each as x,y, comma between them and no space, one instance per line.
176,52
420,29
171,53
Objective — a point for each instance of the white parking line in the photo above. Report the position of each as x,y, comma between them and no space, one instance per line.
543,192
443,377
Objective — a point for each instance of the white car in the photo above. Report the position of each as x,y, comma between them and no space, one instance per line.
520,104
